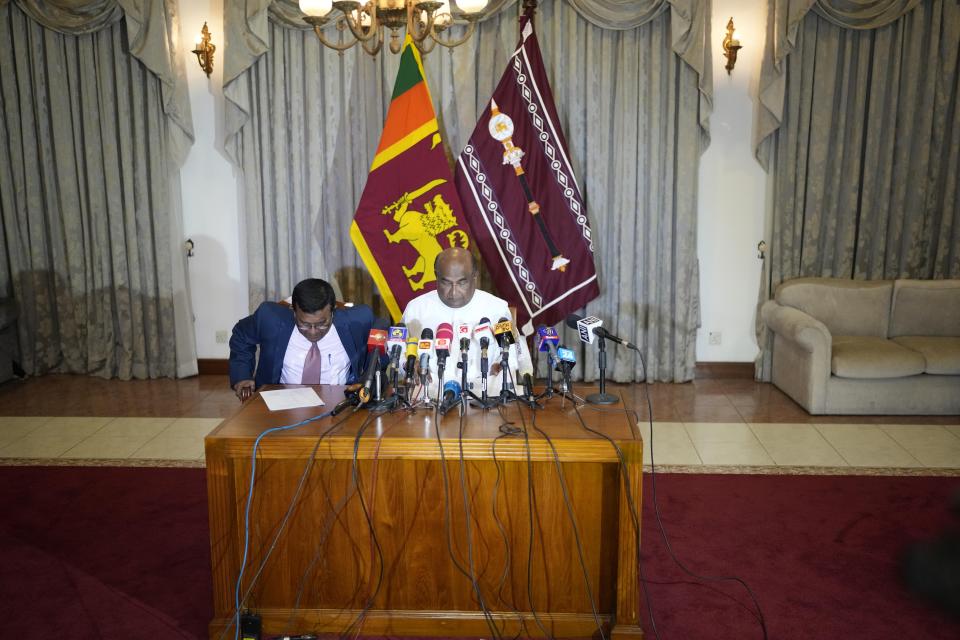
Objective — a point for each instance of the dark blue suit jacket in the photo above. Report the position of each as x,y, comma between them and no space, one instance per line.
270,327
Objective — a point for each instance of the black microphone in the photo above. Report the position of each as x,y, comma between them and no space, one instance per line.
575,321
528,385
503,332
351,400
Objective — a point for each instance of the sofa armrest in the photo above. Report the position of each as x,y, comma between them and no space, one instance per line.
795,325
801,354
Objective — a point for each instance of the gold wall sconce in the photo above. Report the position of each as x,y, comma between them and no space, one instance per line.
204,50
730,47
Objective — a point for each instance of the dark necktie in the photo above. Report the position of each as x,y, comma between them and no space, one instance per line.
311,366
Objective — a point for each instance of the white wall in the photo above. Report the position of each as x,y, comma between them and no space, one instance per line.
210,185
731,197
732,193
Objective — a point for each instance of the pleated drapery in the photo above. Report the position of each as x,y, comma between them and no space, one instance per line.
94,124
633,87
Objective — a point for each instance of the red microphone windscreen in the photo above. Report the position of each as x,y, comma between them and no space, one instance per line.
445,330
376,339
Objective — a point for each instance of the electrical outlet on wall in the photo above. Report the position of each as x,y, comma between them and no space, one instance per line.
223,336
714,338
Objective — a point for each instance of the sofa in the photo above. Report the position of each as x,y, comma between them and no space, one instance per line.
867,347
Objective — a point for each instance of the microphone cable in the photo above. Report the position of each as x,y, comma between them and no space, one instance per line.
357,622
466,510
334,516
235,618
449,525
573,522
656,507
507,430
531,501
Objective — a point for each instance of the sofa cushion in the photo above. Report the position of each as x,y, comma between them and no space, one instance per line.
846,307
925,308
941,353
872,357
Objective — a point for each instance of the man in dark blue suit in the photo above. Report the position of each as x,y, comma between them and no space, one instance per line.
310,343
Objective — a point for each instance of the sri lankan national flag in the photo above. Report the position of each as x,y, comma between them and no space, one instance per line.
409,210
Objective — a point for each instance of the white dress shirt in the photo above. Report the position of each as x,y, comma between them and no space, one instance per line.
334,362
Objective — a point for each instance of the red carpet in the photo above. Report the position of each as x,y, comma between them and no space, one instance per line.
123,554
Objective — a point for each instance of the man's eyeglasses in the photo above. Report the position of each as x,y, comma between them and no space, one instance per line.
316,326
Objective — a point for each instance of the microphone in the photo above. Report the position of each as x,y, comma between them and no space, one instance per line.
351,400
451,395
425,347
592,326
566,357
411,358
528,385
483,335
376,340
548,341
396,341
503,332
463,333
442,344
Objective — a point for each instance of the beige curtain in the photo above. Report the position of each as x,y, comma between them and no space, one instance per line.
94,124
860,134
632,85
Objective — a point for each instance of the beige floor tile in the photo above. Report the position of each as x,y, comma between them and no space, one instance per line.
866,445
134,427
190,427
671,444
702,432
12,428
33,446
100,447
745,453
953,428
170,449
797,445
931,444
82,426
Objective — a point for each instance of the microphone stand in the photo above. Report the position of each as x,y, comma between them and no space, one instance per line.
507,393
548,389
441,365
467,394
603,397
566,387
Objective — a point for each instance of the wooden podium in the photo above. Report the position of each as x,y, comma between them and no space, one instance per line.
326,566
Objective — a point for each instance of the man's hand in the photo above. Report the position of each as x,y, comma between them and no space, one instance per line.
244,389
495,369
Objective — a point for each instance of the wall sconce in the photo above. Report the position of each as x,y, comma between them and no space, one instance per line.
730,47
204,50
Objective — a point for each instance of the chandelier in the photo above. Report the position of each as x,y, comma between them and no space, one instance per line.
424,20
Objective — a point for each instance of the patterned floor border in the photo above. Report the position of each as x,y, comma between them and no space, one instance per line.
115,462
802,471
661,468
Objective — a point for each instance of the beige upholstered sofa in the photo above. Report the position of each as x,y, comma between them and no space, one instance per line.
867,347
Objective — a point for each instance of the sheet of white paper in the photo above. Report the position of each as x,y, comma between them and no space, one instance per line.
281,399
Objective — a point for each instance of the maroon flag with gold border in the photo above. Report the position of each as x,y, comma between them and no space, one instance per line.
521,198
409,211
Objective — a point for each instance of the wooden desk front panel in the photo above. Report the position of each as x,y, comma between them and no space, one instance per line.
326,565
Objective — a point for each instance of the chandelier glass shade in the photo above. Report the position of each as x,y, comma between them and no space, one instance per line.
367,23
